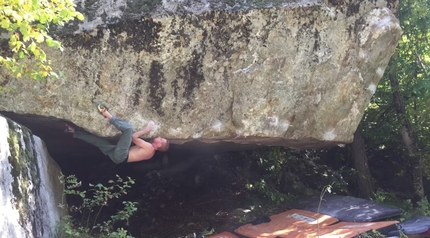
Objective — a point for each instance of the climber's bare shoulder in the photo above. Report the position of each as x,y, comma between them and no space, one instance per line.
141,151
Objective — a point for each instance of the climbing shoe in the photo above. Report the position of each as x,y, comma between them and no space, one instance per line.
100,107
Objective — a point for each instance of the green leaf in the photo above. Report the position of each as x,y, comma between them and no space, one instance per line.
24,31
16,16
53,74
43,18
32,47
80,17
39,37
5,23
35,4
28,21
64,13
50,42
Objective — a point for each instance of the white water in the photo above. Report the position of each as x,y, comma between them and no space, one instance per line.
48,201
41,202
9,216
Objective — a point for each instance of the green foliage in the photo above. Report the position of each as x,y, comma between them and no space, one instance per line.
279,174
381,123
424,207
28,25
371,234
268,191
394,199
91,206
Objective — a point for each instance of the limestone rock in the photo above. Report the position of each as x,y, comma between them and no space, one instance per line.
30,191
298,75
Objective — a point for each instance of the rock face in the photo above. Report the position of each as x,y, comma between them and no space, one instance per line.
298,75
30,191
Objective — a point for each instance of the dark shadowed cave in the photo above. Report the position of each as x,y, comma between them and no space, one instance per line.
200,186
189,187
86,161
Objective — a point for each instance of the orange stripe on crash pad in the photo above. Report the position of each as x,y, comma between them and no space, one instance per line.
287,223
339,230
351,229
305,224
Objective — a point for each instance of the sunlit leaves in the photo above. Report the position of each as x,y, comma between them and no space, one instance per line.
28,23
411,66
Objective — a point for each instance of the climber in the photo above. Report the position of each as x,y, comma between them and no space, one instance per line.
122,152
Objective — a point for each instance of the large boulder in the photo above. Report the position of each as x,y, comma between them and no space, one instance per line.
30,189
299,74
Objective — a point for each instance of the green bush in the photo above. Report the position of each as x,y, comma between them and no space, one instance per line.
91,206
281,174
424,207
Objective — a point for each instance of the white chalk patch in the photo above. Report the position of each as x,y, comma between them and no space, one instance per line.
329,135
330,12
372,88
217,126
245,123
318,98
285,125
89,26
380,71
273,121
239,132
197,135
362,54
384,21
175,131
247,70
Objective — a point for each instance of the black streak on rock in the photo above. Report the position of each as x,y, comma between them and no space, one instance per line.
336,2
192,76
353,9
182,40
175,87
138,92
97,82
222,28
141,35
83,40
144,36
156,91
317,40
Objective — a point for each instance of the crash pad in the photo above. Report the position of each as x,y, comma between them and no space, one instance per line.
351,229
412,226
345,208
305,224
286,223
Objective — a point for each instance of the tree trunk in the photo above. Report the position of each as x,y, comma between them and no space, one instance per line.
408,140
359,160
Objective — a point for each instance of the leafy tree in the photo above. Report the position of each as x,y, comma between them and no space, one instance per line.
397,121
27,23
